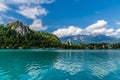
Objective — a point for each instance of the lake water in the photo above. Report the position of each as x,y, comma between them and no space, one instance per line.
59,65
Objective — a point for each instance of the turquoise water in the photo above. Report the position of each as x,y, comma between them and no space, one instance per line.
59,65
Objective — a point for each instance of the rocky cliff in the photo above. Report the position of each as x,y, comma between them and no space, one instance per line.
19,27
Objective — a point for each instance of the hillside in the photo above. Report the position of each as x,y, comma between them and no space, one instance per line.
17,35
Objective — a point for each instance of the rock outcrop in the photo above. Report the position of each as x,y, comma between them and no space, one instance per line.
19,27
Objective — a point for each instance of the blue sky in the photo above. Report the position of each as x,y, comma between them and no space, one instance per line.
65,17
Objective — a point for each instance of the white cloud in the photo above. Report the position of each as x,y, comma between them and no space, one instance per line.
118,30
117,33
3,7
98,31
32,12
110,30
99,24
27,1
100,28
71,30
37,25
97,28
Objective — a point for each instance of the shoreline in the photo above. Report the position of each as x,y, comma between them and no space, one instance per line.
63,49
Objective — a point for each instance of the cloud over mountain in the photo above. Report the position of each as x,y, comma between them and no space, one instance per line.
100,27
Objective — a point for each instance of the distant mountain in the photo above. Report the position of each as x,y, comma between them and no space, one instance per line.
90,39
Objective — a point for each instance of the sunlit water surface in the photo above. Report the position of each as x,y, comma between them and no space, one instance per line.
59,65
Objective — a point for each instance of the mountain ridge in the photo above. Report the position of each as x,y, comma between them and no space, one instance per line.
90,39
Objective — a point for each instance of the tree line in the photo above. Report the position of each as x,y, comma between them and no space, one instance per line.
10,39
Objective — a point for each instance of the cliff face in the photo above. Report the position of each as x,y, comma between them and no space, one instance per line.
19,27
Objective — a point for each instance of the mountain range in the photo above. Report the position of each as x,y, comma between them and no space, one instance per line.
90,39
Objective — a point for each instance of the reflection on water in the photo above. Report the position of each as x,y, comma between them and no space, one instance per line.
68,62
59,65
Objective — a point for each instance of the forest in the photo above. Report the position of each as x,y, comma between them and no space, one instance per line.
11,39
